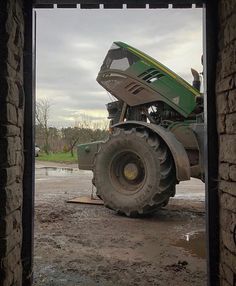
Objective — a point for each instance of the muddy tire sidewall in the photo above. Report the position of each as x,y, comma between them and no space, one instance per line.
112,195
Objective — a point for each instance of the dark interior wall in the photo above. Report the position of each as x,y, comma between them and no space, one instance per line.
226,117
11,140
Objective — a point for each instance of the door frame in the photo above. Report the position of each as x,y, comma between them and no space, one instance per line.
210,27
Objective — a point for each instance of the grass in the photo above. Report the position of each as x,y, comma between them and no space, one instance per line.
60,157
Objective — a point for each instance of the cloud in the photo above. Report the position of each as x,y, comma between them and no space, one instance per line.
72,44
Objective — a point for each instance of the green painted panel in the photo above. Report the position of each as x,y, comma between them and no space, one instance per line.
174,90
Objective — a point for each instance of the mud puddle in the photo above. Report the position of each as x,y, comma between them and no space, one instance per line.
194,243
56,172
193,190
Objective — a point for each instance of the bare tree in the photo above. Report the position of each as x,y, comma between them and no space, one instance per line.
83,132
42,116
86,121
71,136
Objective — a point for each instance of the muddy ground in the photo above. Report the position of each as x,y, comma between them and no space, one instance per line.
89,245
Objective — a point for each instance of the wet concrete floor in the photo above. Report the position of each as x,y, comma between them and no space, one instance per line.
191,190
91,245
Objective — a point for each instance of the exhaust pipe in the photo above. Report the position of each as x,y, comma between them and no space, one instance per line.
196,79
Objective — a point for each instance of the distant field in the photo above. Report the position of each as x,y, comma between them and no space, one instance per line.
60,157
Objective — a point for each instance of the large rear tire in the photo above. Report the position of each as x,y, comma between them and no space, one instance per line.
134,172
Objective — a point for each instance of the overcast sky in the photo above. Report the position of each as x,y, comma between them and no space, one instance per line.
71,46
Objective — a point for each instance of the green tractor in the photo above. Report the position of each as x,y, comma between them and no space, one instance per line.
156,133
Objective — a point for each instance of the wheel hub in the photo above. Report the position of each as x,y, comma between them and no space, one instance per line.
127,172
131,171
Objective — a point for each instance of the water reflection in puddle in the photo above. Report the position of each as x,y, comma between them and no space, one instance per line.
194,243
55,172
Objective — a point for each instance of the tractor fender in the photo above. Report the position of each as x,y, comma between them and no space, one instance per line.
177,150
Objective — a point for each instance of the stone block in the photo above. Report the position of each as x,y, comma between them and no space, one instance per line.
11,88
9,242
229,60
231,124
9,130
227,220
223,282
8,114
12,278
11,73
232,100
227,148
228,202
10,198
228,258
13,60
20,117
14,31
9,175
9,223
18,143
19,158
224,171
221,123
18,275
226,273
18,11
11,151
228,240
12,259
232,172
225,84
228,187
222,103
232,25
226,8
229,29
19,174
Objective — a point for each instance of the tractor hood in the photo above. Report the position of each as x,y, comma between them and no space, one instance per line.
135,78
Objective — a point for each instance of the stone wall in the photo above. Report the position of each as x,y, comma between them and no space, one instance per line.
226,113
11,140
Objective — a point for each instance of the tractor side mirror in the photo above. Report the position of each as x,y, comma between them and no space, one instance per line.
196,79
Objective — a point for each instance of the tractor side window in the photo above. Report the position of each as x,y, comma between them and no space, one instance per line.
120,64
119,59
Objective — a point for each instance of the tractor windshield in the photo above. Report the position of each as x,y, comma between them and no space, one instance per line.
118,58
